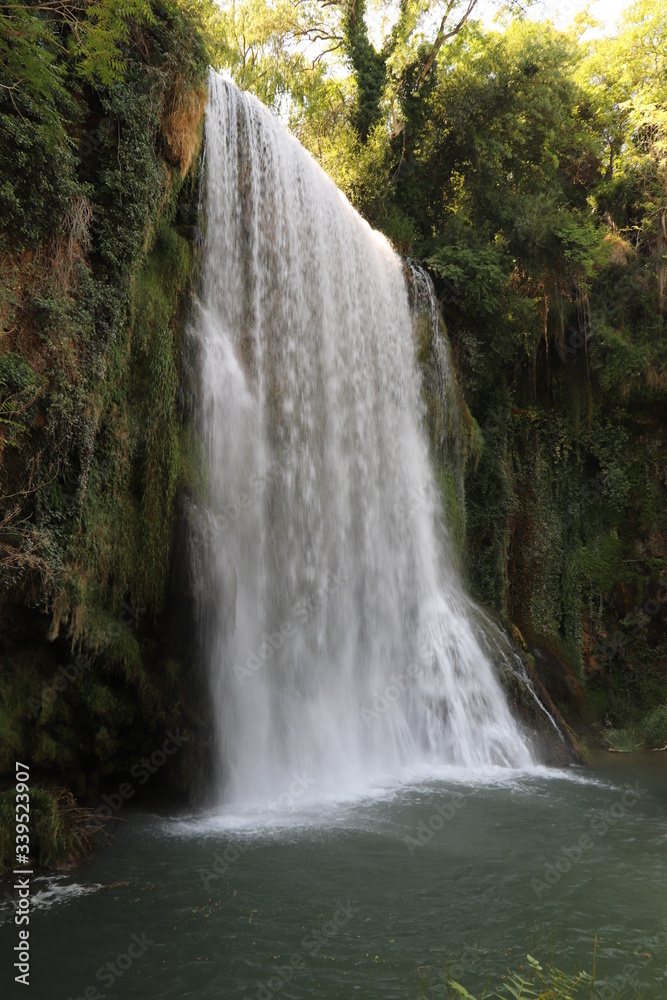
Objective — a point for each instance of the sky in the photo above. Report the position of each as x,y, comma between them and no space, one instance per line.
562,12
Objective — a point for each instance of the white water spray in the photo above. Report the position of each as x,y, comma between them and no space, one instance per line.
353,652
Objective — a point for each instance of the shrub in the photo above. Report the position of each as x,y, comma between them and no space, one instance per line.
621,740
539,981
60,830
654,728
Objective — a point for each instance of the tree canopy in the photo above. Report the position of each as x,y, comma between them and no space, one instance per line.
526,166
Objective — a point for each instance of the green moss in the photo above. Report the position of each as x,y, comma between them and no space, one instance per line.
19,389
126,531
192,471
453,502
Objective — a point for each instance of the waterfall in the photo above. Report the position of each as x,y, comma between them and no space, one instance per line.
349,650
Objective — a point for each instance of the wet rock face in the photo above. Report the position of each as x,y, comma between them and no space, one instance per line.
182,594
554,741
558,679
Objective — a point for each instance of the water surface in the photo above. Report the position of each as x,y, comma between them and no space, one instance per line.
336,889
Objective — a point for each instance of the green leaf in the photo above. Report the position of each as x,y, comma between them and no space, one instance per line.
461,990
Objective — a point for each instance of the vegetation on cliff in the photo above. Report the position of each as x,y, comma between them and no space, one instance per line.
101,108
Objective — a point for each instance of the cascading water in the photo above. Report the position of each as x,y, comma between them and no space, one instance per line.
352,652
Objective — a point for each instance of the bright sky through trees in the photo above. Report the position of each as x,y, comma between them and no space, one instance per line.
562,12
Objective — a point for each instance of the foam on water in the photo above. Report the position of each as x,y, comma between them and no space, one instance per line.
48,891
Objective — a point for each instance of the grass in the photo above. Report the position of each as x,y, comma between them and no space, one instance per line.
60,829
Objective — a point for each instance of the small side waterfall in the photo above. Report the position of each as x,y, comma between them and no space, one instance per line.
352,652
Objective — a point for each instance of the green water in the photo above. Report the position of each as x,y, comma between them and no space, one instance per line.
337,890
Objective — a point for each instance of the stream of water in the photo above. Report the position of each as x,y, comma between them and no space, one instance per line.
334,591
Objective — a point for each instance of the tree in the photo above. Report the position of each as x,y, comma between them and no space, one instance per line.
627,76
285,49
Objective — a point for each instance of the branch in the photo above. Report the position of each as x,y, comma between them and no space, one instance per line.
326,52
442,36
